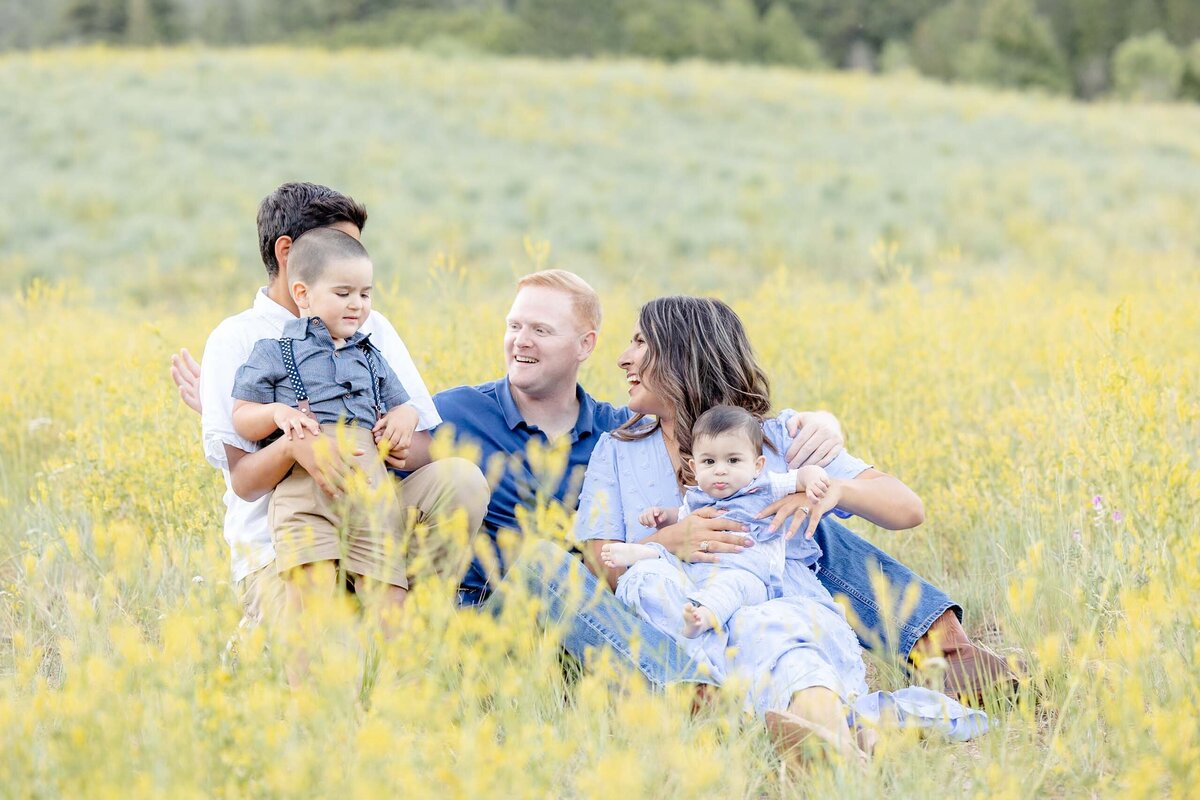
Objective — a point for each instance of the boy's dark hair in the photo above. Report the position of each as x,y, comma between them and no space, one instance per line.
317,249
729,419
296,208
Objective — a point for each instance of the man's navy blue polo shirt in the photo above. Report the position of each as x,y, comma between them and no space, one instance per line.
487,417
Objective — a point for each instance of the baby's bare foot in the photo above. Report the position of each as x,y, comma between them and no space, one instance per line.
696,620
619,554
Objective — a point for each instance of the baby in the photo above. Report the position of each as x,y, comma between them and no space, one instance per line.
323,373
727,460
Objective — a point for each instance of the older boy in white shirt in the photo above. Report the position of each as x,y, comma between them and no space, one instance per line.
251,473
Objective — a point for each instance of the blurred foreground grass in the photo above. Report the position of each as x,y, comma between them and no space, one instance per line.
1024,355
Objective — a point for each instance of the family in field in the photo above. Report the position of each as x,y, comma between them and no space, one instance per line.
711,516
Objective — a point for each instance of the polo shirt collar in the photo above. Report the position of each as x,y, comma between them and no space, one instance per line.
512,414
584,423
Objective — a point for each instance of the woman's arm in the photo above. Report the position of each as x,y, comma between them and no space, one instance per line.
873,495
882,499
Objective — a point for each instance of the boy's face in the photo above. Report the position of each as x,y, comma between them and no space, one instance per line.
725,464
341,297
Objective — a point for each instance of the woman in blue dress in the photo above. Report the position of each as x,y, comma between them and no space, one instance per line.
802,661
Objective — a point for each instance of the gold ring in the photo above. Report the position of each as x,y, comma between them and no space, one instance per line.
704,546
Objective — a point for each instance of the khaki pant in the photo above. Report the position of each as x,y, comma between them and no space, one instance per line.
427,501
360,530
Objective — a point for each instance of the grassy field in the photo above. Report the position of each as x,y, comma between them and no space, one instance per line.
996,294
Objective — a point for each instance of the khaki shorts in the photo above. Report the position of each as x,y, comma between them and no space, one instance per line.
360,531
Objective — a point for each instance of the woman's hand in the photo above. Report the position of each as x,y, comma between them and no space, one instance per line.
702,536
801,508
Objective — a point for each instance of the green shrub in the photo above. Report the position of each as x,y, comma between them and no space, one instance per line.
1016,49
896,57
570,27
782,41
1190,86
1147,68
442,31
938,39
719,30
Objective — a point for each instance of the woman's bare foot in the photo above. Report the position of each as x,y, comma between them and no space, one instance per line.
620,554
801,741
697,620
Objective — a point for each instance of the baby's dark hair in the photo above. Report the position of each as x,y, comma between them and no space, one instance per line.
729,419
315,250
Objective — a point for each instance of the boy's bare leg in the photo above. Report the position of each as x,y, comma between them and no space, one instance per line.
817,716
310,590
620,554
697,620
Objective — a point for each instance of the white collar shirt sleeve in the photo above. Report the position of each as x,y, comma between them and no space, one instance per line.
384,336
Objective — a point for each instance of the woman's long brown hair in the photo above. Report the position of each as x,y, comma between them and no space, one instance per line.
697,356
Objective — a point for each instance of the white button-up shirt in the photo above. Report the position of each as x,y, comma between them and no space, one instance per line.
227,348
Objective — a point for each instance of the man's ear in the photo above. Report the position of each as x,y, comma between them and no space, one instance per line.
299,290
587,345
283,246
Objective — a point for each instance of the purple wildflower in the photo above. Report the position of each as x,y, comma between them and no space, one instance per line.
1098,502
1118,516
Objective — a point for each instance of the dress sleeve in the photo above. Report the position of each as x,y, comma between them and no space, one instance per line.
843,466
846,466
384,336
601,514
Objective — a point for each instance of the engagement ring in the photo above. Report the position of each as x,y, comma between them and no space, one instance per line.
805,510
704,546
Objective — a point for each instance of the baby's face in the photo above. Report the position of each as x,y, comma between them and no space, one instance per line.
341,297
725,464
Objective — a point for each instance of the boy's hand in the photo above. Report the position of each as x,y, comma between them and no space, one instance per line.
294,422
813,481
397,428
657,517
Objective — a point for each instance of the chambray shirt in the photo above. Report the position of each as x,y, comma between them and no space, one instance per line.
337,379
626,477
487,417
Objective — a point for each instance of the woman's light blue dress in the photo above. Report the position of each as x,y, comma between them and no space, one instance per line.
798,641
